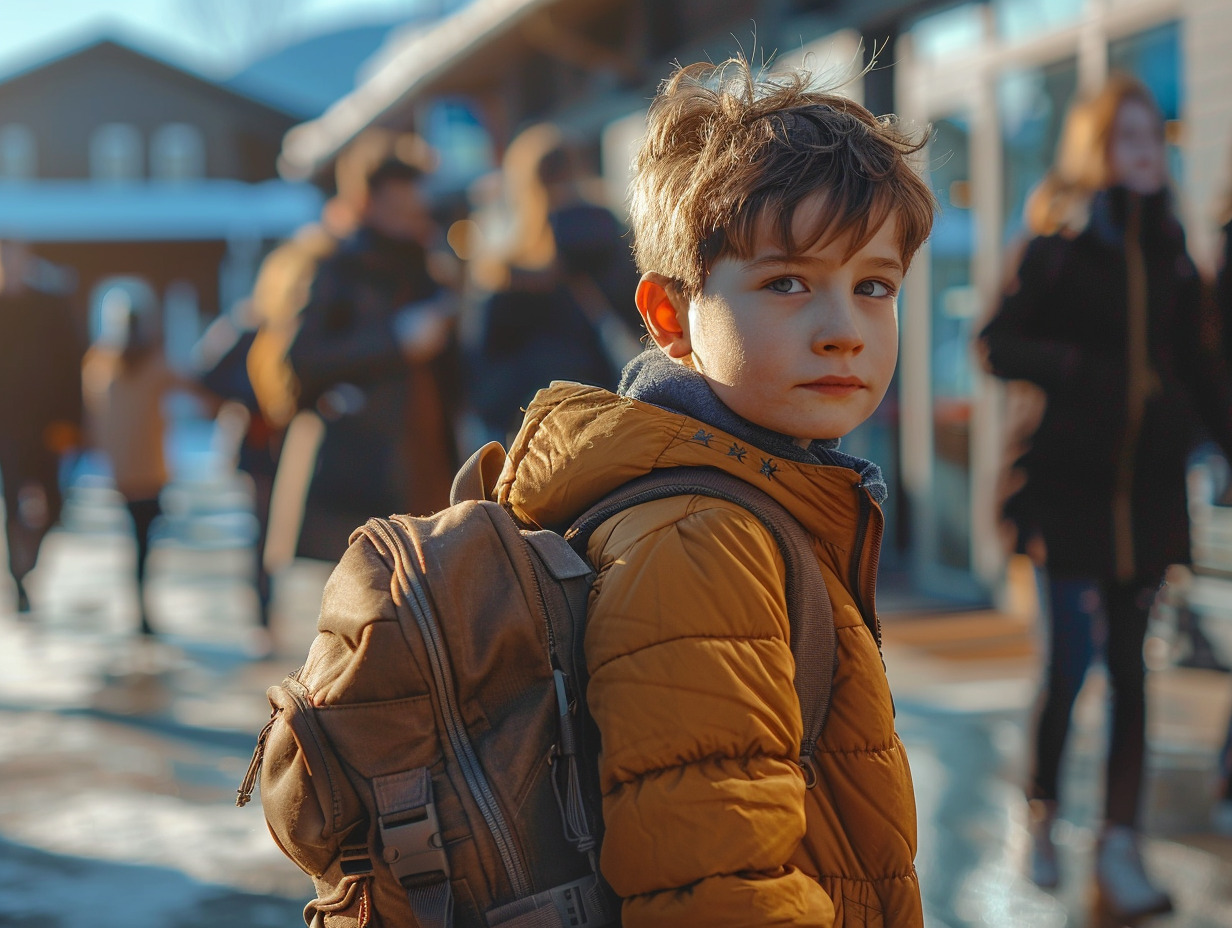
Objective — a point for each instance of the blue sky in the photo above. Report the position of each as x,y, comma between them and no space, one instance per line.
31,28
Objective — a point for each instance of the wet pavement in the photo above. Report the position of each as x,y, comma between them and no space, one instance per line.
119,762
964,687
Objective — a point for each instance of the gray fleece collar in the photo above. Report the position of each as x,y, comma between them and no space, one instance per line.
654,378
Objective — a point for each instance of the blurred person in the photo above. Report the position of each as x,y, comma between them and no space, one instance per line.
375,356
1105,317
243,358
223,356
1221,817
562,306
125,378
40,407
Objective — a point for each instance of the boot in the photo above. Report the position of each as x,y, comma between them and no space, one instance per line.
1044,870
1125,891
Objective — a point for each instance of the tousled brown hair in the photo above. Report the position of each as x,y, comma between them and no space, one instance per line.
1083,162
728,149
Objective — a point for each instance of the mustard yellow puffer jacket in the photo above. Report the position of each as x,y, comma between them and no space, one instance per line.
708,821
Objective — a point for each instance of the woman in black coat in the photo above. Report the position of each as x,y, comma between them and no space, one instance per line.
1105,316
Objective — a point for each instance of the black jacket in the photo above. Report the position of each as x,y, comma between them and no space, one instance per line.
1063,325
536,331
389,445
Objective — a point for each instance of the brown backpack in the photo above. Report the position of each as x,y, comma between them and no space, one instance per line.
432,764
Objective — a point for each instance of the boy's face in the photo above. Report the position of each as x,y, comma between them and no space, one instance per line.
802,344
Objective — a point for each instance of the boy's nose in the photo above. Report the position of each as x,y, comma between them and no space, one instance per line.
837,331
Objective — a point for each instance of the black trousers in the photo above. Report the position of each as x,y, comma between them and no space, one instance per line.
143,512
1086,616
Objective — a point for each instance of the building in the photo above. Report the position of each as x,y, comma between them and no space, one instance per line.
113,162
992,77
305,76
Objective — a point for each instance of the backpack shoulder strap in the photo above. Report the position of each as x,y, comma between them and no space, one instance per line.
808,604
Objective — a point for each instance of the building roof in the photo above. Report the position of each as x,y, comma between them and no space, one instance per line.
204,210
405,69
306,76
109,46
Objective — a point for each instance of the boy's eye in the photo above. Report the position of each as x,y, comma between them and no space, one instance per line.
874,288
786,285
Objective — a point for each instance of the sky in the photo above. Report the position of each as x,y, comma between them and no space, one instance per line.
199,34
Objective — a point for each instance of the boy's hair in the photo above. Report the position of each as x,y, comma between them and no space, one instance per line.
727,149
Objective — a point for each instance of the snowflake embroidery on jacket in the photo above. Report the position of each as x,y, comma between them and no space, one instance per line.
769,468
735,451
702,437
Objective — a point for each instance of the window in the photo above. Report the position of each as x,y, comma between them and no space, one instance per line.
455,131
18,153
955,31
177,152
115,152
1032,104
1023,19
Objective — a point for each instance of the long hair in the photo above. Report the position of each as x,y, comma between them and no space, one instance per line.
533,246
523,247
1059,203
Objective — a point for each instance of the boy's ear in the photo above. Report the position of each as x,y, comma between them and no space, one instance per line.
666,314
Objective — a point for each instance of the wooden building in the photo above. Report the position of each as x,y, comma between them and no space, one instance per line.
115,163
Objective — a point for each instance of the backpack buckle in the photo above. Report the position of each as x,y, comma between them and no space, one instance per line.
410,830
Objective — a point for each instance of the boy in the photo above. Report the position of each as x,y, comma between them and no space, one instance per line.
773,226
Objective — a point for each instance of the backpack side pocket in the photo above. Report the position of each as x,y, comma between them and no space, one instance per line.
309,804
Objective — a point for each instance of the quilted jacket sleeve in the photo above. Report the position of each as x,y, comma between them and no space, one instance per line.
1015,346
691,687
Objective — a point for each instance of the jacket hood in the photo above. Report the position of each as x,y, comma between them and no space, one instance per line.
579,443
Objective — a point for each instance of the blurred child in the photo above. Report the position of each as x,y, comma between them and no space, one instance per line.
1104,316
125,378
773,224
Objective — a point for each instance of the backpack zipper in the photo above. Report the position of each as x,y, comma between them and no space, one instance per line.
455,726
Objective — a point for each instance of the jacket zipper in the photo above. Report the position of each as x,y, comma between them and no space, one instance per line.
455,726
866,592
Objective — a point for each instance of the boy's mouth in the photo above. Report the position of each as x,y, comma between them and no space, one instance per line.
835,386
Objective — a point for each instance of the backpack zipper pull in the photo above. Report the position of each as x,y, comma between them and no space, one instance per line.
254,765
569,798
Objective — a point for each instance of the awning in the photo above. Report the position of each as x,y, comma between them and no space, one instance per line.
407,68
205,210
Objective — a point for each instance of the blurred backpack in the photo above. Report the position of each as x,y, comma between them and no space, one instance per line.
432,763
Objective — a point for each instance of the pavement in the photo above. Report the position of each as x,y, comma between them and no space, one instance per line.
119,761
965,684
